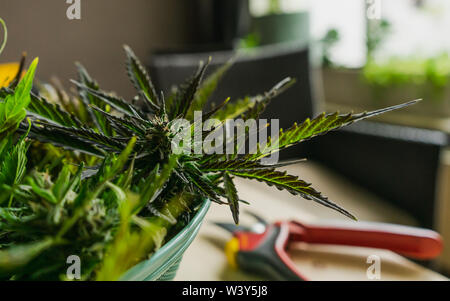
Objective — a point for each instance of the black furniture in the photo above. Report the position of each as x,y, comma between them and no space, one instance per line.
218,24
398,163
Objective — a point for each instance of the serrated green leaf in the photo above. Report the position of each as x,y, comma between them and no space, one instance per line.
84,134
207,88
104,98
22,92
202,184
152,187
318,126
65,182
92,99
214,164
125,125
141,79
51,112
17,256
232,196
292,184
122,159
13,162
184,97
44,193
63,138
13,108
252,107
234,109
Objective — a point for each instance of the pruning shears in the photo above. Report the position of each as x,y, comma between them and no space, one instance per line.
262,248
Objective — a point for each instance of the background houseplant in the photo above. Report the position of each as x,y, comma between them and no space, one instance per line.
385,77
94,176
279,26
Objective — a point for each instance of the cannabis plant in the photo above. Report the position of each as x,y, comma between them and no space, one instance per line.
111,122
97,176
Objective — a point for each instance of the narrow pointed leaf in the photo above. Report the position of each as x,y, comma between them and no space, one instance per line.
241,164
292,184
232,196
155,183
252,107
203,186
91,99
318,126
40,108
64,138
13,107
116,102
262,101
185,95
129,125
17,256
207,88
141,79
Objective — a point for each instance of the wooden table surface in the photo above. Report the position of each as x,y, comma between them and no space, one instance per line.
205,259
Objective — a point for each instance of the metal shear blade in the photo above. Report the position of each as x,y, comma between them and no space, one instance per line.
232,228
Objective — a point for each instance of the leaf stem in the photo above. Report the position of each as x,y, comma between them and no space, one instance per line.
5,35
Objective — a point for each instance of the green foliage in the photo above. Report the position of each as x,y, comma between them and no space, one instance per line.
154,133
318,126
50,220
252,107
274,7
261,102
129,247
186,94
13,162
292,184
141,80
330,39
12,108
377,31
250,41
94,175
396,71
207,88
235,109
91,99
16,257
51,112
232,196
153,186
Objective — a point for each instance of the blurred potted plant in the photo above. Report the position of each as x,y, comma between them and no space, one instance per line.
403,77
219,24
277,26
95,177
382,83
330,39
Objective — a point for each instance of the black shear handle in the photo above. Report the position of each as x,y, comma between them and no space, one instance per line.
270,257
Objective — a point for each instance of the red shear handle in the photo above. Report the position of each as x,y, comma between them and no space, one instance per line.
408,241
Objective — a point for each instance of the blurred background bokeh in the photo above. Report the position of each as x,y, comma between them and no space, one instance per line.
346,55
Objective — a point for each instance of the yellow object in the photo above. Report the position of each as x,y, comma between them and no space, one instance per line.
7,73
231,249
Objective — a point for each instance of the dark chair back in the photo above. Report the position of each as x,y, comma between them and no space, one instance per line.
398,163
